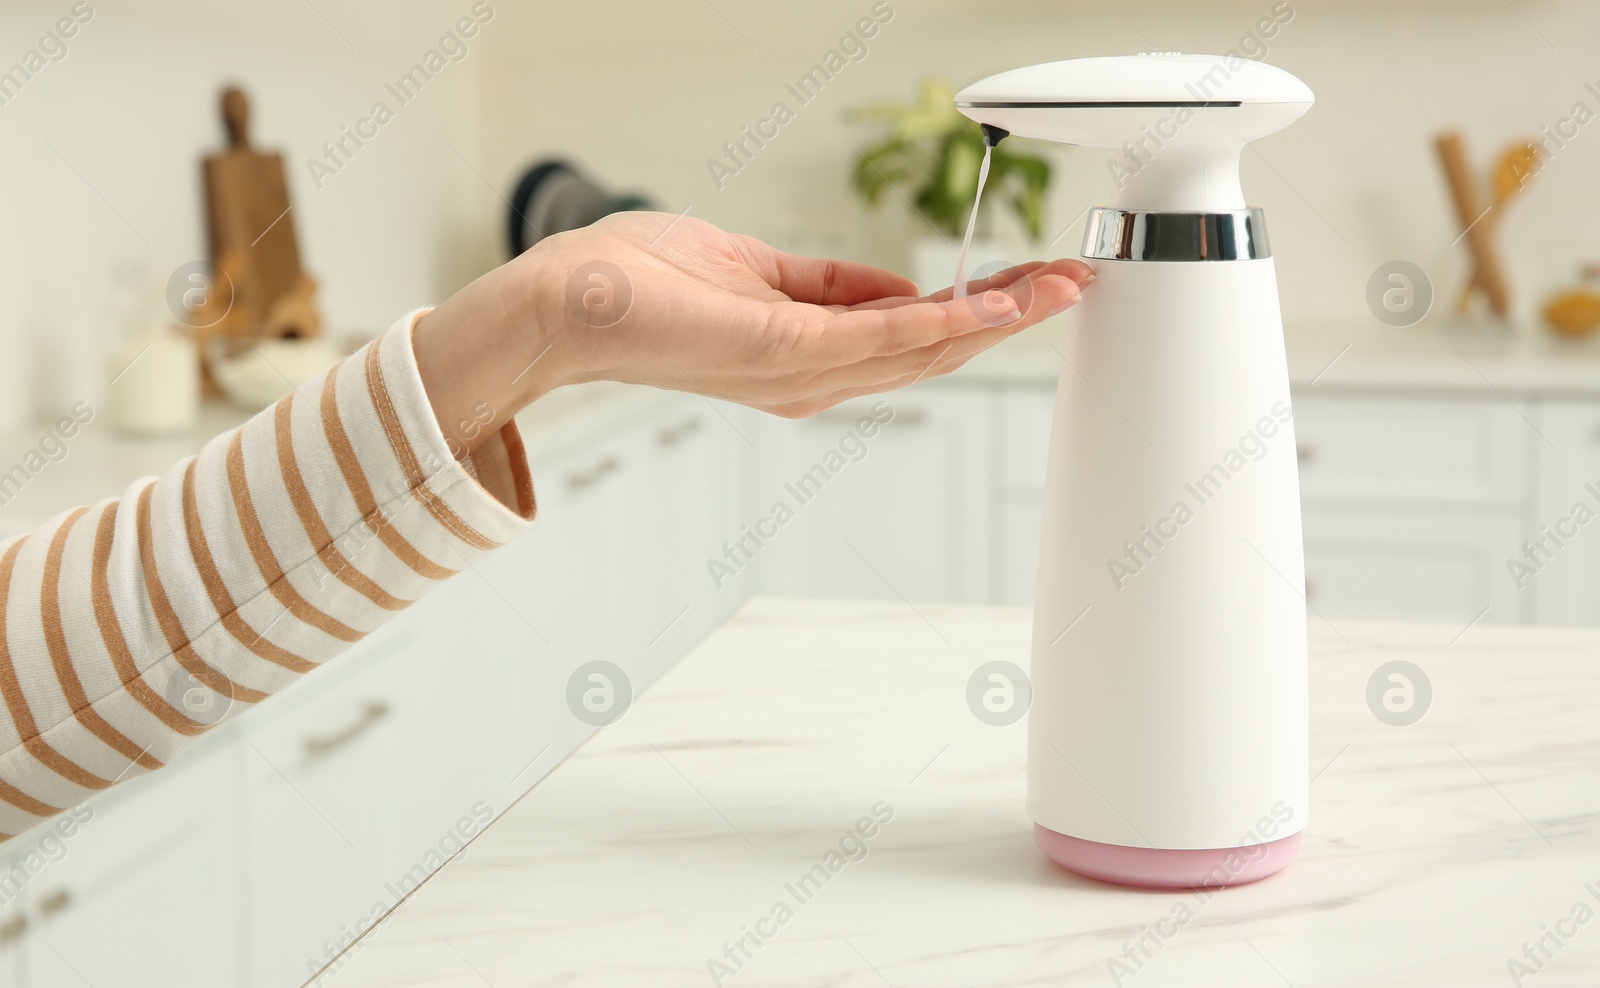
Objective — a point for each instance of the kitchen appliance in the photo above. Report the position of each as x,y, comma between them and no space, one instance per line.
1168,733
553,197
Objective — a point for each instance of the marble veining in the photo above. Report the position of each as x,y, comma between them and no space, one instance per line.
1437,853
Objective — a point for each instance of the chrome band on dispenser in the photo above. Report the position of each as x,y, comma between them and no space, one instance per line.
1139,235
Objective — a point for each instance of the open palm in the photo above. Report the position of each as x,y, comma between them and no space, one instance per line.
674,302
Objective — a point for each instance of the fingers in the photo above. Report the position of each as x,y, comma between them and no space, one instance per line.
868,333
1080,273
900,370
821,281
1000,279
885,372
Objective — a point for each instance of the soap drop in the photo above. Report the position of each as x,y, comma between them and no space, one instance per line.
972,221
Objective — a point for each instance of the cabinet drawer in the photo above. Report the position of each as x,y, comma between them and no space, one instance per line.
896,510
1416,567
383,757
1564,570
136,887
359,789
1456,450
1024,436
1018,569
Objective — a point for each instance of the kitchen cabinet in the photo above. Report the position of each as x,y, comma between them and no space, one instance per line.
350,789
615,570
1563,570
280,836
1425,452
1413,502
141,892
1016,549
896,509
561,575
1427,566
1023,417
682,501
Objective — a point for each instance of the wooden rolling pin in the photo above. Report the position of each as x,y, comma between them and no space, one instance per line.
1486,273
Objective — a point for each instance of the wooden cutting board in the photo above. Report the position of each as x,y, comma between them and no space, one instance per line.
251,233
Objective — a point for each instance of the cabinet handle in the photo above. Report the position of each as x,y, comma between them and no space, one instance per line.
55,902
321,747
1305,454
12,929
580,479
673,435
902,416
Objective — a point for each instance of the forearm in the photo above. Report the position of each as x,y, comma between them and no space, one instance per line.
133,626
128,628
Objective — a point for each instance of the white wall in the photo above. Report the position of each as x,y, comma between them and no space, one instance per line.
647,92
133,106
644,93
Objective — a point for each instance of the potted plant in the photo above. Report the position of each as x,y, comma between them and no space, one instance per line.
930,156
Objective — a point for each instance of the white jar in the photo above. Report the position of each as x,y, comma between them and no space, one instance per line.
154,387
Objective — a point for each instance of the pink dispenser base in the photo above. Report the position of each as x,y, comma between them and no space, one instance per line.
1155,868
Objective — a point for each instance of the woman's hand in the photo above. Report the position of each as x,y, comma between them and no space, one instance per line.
674,302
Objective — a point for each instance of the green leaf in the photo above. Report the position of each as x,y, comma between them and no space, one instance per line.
931,156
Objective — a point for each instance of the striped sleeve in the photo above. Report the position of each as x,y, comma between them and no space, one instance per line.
129,627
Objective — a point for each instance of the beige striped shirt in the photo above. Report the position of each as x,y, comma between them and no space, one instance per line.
132,626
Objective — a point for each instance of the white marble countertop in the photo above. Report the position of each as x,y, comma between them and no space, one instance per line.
1433,357
1435,851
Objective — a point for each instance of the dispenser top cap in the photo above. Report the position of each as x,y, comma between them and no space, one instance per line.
1103,102
1177,123
1148,79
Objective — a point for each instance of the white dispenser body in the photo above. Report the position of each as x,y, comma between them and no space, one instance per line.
1169,659
1168,725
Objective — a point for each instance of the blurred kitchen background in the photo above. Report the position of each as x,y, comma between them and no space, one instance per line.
1437,458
